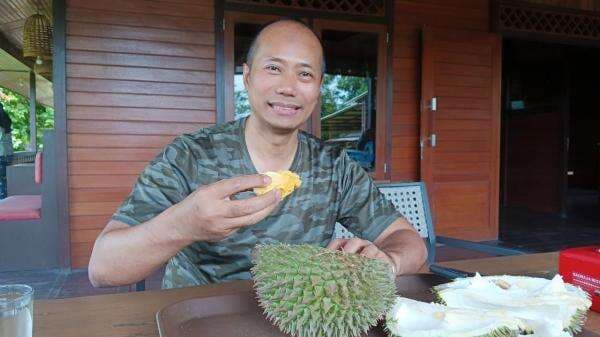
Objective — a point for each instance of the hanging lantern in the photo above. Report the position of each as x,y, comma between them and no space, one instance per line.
37,38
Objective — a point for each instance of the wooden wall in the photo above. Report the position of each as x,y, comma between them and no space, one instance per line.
139,72
409,16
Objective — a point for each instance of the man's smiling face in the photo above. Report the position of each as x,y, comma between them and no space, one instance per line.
284,78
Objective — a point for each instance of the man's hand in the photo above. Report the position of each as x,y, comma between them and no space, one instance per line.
362,247
209,213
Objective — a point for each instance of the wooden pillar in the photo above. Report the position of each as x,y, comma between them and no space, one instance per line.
32,115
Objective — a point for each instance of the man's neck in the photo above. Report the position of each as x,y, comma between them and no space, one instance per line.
269,150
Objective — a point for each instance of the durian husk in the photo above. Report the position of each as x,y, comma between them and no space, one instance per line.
309,291
577,322
436,296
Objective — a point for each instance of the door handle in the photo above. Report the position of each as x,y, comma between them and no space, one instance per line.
433,104
432,142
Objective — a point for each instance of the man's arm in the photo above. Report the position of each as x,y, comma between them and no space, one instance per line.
124,255
404,245
399,245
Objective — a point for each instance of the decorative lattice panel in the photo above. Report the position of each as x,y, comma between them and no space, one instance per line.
340,232
519,17
360,7
408,200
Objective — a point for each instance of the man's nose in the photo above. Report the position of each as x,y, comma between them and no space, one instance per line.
287,85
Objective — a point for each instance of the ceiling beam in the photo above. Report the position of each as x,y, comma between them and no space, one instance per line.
14,51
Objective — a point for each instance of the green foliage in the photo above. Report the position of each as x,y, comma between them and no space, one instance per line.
242,105
17,108
338,89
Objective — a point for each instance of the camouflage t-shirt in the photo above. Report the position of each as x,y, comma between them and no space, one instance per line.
334,188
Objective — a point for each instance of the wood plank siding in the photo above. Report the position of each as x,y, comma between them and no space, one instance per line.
138,73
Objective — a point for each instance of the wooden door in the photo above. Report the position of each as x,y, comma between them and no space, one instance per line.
461,73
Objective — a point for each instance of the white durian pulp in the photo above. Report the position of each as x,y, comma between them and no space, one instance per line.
546,307
410,318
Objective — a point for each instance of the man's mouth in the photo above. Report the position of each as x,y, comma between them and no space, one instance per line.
284,108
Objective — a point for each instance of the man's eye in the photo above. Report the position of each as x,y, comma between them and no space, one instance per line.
306,75
272,68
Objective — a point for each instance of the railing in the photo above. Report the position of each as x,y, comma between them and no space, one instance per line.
21,157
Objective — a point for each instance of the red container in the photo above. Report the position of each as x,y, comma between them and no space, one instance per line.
581,267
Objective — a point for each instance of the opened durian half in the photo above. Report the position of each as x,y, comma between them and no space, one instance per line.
309,291
546,307
410,318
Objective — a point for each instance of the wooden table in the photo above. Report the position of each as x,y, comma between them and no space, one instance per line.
132,314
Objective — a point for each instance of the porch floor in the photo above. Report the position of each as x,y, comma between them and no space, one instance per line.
548,232
542,232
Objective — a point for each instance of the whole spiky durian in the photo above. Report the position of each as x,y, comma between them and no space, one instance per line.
310,291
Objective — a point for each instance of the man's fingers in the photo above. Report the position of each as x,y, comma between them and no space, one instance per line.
245,207
336,244
227,187
355,245
251,219
371,251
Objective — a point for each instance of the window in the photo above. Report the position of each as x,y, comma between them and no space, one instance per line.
349,92
244,33
353,112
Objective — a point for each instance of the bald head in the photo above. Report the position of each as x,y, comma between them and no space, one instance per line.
284,26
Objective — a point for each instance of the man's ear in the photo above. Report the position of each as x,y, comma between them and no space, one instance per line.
246,75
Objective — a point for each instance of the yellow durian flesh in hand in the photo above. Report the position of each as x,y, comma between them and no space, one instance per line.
285,181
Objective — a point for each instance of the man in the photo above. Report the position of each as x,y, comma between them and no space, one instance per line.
190,207
6,145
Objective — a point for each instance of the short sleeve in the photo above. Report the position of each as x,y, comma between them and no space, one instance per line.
161,185
363,210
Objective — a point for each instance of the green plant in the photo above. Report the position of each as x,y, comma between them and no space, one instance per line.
337,90
17,108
